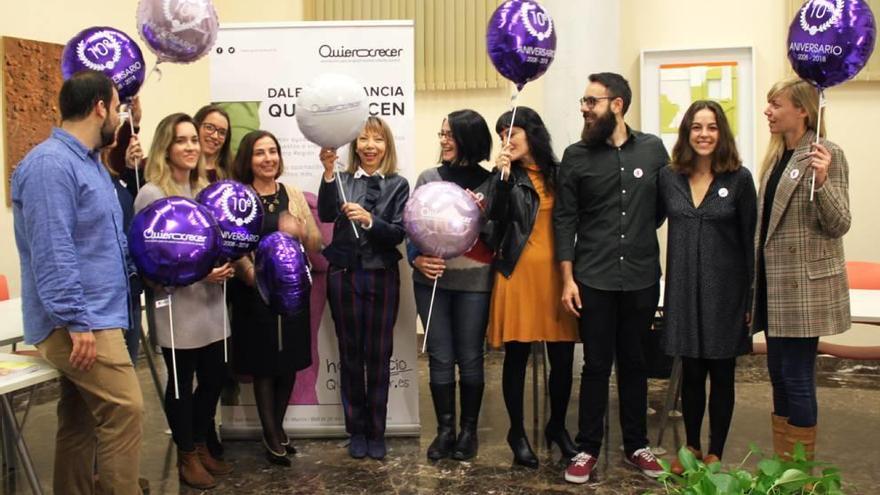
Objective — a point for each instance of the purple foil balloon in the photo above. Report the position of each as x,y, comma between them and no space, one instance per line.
282,273
106,50
180,31
174,241
442,220
830,41
521,40
238,212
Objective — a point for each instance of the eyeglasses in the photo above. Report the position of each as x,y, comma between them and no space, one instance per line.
591,101
211,129
444,134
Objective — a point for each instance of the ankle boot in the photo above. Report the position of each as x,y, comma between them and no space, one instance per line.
559,436
214,466
779,426
523,454
806,436
471,398
192,472
444,407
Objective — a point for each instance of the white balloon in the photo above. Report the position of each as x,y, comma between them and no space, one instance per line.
331,110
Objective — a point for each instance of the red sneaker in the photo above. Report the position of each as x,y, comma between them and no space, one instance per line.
580,468
644,460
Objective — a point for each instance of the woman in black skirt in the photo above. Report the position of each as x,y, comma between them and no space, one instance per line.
257,349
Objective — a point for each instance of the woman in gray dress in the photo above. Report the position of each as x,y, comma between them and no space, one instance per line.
710,202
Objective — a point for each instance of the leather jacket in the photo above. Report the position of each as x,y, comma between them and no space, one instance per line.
512,207
385,199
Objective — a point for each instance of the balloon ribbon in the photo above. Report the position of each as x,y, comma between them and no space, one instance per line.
818,132
430,310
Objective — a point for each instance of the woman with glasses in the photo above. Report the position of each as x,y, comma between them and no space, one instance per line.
214,136
461,302
527,293
710,202
176,168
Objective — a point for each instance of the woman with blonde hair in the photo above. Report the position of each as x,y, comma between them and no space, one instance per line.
801,290
363,281
176,168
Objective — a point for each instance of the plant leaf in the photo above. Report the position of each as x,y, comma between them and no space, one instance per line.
725,483
687,459
792,476
770,467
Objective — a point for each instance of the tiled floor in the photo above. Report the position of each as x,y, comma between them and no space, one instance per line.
849,400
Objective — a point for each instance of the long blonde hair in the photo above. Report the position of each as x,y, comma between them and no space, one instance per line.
389,161
158,170
802,95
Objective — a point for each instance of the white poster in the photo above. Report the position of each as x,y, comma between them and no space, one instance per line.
257,71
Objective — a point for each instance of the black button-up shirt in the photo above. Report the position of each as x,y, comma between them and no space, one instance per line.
607,212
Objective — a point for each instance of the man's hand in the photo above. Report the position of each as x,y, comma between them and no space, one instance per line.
84,352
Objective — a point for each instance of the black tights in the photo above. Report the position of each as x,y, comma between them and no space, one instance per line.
721,374
516,358
272,394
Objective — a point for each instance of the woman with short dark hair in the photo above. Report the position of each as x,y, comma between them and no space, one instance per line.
461,303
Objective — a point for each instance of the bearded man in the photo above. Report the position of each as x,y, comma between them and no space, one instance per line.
75,274
605,220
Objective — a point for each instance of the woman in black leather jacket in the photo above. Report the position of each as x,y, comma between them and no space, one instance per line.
527,293
363,281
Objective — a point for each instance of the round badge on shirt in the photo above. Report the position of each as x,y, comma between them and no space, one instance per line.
638,173
794,174
723,192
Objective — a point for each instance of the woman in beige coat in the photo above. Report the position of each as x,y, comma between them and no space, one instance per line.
801,290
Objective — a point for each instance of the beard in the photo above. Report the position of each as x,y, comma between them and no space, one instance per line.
108,133
599,130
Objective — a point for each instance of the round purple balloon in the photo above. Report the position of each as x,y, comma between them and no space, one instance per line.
830,41
107,50
442,220
282,273
180,31
174,241
521,40
238,212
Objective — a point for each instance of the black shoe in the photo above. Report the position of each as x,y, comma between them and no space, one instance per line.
357,446
277,458
444,407
288,447
467,444
523,455
562,439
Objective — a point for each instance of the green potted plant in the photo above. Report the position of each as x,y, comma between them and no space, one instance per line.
772,476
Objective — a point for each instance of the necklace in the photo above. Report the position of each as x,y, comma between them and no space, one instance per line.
271,201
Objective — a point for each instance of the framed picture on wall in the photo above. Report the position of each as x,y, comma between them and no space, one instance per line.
673,79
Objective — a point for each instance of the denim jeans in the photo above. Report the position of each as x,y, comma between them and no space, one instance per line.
792,366
456,333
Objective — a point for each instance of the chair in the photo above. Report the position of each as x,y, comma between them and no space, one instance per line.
4,288
864,275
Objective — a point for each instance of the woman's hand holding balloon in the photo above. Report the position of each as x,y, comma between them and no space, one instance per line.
220,274
328,160
430,266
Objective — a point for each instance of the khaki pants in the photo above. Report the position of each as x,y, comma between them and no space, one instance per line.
100,412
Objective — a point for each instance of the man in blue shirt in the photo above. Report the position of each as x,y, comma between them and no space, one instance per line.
74,274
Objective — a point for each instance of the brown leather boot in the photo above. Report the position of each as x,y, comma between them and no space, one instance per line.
677,467
214,466
779,426
192,472
806,436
